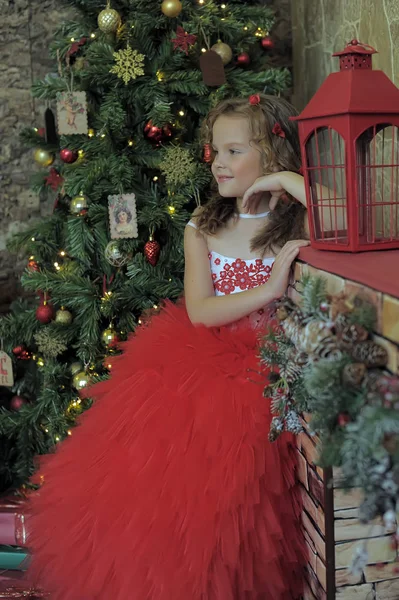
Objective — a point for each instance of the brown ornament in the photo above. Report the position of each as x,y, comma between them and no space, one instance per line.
212,69
152,250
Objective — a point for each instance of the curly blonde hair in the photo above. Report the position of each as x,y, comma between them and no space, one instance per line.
287,221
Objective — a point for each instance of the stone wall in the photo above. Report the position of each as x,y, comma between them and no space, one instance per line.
331,526
321,27
26,28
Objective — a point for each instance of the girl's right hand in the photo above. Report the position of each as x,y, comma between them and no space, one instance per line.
278,280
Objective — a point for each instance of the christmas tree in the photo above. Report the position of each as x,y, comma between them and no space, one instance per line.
125,168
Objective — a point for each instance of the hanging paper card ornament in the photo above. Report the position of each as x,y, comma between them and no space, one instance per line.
122,216
72,113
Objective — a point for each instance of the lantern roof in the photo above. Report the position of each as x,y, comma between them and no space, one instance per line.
356,88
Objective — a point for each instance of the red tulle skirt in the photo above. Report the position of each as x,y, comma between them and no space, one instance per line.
169,488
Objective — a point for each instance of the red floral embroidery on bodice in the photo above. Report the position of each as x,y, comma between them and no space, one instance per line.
232,275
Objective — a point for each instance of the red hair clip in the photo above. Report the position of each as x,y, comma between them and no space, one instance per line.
277,130
254,99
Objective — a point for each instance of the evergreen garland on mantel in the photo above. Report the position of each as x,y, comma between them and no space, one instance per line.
325,362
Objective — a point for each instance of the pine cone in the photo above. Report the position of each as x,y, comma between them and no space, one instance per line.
291,371
354,374
351,334
327,349
313,334
370,353
341,321
292,422
276,427
292,329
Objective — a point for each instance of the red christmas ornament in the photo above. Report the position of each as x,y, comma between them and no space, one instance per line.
54,179
152,250
32,265
207,153
343,419
25,355
68,156
267,43
243,59
41,131
45,313
183,40
74,48
17,402
18,350
157,135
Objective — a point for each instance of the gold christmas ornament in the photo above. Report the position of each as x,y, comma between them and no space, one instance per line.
224,51
178,166
43,157
64,317
114,256
109,337
171,8
78,203
76,367
80,380
129,64
109,19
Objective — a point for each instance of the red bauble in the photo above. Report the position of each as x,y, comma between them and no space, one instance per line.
17,402
157,135
152,250
32,265
207,155
267,43
68,156
343,419
45,313
243,59
18,350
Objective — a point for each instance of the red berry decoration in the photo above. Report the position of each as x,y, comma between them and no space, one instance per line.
45,313
207,154
152,250
243,59
157,135
343,419
17,402
267,43
68,156
32,265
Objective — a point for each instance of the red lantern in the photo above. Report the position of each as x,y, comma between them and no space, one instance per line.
349,135
68,156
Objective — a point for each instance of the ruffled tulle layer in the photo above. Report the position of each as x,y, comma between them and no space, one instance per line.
168,489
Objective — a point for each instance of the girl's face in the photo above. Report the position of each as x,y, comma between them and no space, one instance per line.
122,217
237,161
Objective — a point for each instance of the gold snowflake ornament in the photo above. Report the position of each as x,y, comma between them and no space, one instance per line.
129,64
178,166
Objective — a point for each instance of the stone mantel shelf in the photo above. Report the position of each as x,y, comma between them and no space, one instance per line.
377,270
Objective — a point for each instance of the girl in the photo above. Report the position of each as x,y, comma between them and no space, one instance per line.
169,488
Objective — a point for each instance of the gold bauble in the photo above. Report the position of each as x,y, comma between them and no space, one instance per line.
109,337
43,157
78,203
80,380
76,367
224,51
64,317
109,19
171,8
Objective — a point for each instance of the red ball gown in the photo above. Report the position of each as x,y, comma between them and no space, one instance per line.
169,488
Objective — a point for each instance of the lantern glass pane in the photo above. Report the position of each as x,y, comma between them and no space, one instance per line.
377,158
325,157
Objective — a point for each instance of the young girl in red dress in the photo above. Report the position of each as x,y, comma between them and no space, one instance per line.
169,488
